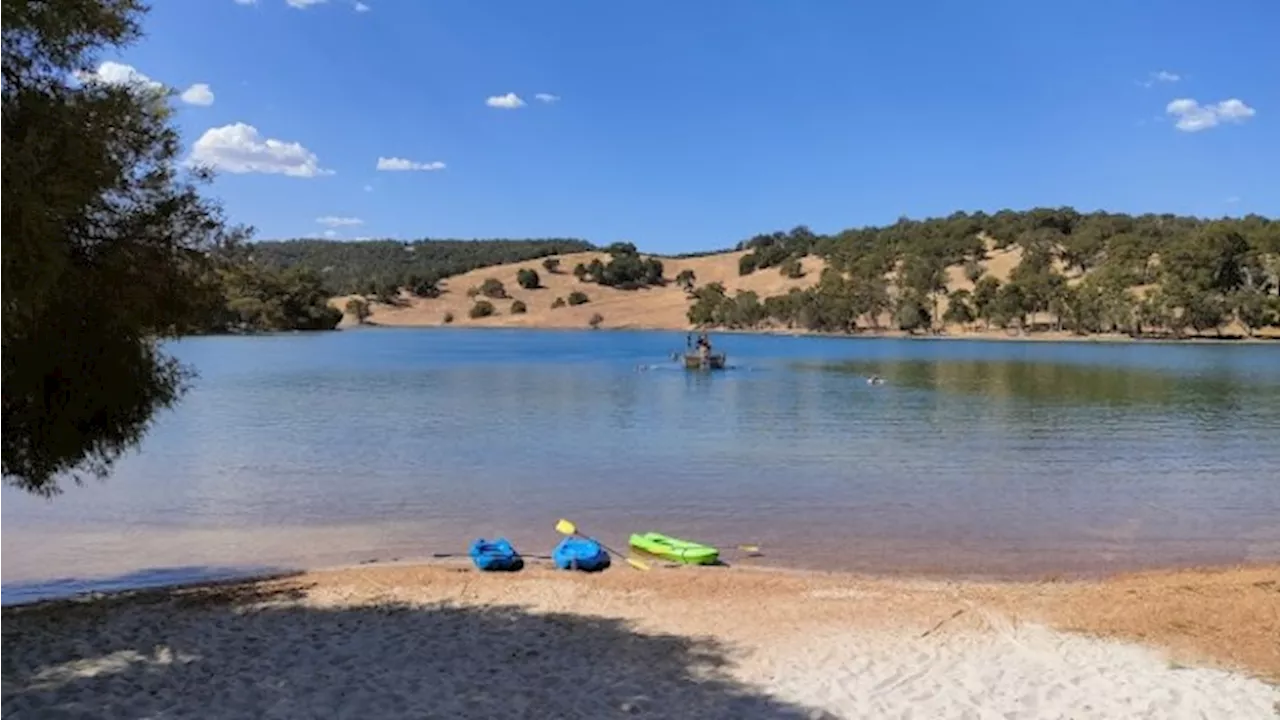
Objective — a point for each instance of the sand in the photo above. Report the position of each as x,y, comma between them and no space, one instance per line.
445,641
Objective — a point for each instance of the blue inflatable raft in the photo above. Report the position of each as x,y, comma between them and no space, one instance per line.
495,555
577,553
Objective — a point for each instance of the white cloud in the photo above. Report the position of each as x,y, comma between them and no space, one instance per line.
368,188
395,164
114,73
238,148
1160,76
246,2
302,4
1193,117
333,221
546,98
331,234
361,7
510,101
198,94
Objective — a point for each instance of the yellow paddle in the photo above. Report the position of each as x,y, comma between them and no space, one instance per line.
565,527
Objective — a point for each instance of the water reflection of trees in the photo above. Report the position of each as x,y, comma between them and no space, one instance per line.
1073,384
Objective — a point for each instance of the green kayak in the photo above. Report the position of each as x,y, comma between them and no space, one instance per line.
669,548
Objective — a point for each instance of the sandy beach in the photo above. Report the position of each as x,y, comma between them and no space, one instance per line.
442,640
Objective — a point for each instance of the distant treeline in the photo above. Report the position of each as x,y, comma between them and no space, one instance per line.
1088,273
376,267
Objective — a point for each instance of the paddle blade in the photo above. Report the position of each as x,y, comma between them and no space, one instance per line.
636,564
565,527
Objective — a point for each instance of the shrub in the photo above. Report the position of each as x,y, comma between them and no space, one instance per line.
577,297
747,264
595,321
482,308
551,265
493,288
519,308
557,303
580,271
473,291
791,268
425,288
359,309
528,278
448,318
686,280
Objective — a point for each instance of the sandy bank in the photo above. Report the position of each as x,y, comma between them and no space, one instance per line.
444,641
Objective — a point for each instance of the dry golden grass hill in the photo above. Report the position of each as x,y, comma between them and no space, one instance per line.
655,308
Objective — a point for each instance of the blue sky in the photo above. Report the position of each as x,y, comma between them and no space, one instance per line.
685,126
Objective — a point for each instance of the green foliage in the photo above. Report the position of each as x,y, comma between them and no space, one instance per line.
108,246
959,308
358,308
424,287
686,280
493,288
551,265
626,270
528,279
775,249
348,266
791,268
580,272
911,314
577,297
482,309
258,300
595,321
448,318
973,270
519,308
557,303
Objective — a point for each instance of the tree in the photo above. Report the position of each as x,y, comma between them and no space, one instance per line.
791,268
959,312
519,308
493,288
108,247
551,265
580,272
528,278
595,321
973,270
358,308
577,297
747,264
984,296
425,288
686,280
911,313
482,309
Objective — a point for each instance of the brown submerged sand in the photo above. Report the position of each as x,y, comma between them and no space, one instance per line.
446,641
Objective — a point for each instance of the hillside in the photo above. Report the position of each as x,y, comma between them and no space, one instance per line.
651,308
1046,272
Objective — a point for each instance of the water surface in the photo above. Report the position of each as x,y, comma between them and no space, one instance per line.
986,458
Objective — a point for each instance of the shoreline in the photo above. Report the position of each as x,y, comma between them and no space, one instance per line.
409,639
983,336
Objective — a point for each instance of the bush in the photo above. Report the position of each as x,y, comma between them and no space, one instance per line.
551,265
686,280
448,318
493,288
528,278
519,308
747,264
427,288
595,321
358,308
473,291
580,271
791,268
557,303
577,297
482,308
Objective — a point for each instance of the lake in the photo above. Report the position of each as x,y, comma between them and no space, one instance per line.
972,459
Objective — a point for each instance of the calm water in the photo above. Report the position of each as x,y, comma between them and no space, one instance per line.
973,457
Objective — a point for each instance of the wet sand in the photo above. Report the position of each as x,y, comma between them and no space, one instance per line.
442,640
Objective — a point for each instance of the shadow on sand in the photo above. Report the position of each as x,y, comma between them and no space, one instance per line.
250,650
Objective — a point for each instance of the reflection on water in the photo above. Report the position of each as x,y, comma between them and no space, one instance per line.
985,458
